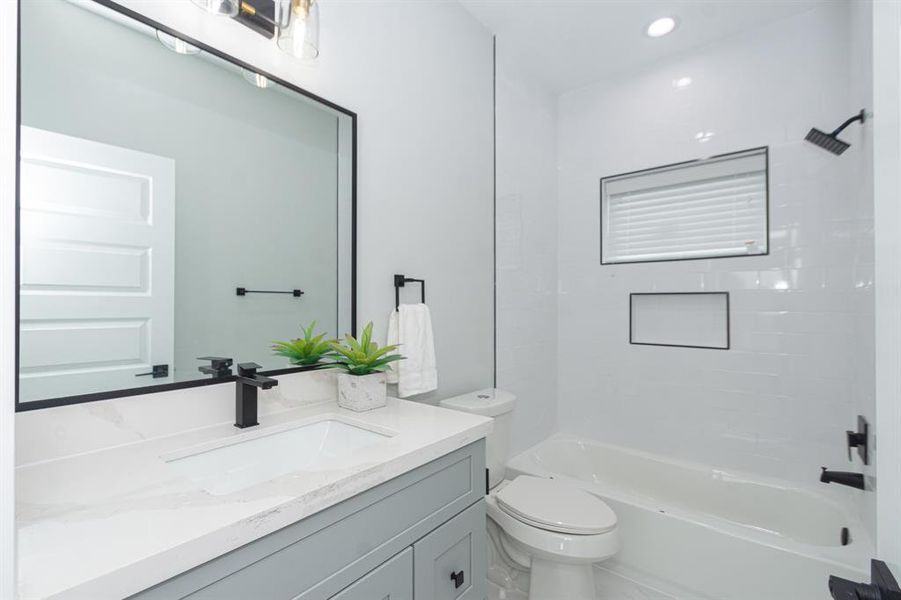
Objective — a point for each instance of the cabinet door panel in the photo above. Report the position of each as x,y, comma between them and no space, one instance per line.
450,562
391,581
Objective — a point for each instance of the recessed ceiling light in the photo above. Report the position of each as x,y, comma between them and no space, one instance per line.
662,26
704,136
681,82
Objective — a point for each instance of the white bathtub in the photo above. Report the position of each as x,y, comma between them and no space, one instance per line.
704,532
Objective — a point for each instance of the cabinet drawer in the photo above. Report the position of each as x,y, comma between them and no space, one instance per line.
450,562
391,581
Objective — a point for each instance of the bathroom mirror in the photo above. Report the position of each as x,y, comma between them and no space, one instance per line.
174,203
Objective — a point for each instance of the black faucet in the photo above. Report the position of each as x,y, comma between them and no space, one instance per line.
219,367
246,394
854,480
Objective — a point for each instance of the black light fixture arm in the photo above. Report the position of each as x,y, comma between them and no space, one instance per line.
861,116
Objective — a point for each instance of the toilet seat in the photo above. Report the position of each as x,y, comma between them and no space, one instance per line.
553,505
564,548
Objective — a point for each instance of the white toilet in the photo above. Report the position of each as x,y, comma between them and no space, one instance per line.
554,529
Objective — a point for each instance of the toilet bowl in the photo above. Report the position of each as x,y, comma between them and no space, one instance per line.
555,531
552,529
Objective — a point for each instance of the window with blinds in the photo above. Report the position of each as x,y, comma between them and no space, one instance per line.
703,209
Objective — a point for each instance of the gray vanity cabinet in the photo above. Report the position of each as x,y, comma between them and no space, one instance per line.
448,562
391,581
418,536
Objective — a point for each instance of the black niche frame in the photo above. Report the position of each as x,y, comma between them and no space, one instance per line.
766,158
728,345
166,387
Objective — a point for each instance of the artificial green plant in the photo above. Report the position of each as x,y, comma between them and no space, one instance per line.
363,356
308,350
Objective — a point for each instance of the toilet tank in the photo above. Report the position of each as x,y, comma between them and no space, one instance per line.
498,405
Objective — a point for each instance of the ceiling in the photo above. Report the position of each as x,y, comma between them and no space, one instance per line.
566,44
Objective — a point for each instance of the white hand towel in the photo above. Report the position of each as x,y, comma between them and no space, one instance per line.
411,328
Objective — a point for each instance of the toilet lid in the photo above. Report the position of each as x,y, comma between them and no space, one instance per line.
555,506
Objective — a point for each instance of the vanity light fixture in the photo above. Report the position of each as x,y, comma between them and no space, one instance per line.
293,23
660,27
298,27
222,8
177,45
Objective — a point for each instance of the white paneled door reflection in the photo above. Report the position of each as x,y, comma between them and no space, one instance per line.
97,265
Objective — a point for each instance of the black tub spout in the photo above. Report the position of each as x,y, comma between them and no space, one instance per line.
854,480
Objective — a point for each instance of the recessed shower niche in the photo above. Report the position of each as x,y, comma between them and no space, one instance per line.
683,319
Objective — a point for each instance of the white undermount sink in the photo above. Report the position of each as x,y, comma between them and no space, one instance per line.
232,465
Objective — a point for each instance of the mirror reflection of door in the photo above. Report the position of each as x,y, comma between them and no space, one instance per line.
97,265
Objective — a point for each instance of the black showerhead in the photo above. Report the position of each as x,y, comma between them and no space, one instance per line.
827,141
830,141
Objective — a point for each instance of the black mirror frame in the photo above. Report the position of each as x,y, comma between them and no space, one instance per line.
166,387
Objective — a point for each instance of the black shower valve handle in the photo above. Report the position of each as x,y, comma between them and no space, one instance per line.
851,444
859,439
855,439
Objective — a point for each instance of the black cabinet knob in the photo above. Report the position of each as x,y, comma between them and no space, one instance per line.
458,578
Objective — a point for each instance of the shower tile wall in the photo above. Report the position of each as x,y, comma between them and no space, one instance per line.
801,364
526,253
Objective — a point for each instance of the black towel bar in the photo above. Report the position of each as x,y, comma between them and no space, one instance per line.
401,281
244,291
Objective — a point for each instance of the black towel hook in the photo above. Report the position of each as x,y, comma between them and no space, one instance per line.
401,281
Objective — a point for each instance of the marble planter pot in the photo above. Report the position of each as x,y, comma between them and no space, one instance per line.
362,392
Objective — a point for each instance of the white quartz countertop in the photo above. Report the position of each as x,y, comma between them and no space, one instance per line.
113,522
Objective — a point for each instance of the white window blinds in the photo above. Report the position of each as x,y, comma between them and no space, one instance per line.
708,208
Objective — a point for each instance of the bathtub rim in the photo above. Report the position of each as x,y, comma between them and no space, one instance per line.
855,555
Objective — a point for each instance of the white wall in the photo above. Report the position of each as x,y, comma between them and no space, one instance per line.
526,252
8,22
420,76
800,368
860,23
887,154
